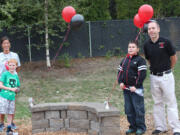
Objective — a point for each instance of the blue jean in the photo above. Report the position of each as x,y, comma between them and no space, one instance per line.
134,109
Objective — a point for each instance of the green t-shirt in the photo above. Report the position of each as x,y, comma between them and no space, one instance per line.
9,80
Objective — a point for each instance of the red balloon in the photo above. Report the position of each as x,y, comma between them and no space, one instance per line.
67,13
6,66
145,12
137,21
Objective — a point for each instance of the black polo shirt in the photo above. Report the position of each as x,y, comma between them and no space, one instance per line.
158,54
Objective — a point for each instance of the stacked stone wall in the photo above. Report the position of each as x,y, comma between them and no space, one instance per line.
90,118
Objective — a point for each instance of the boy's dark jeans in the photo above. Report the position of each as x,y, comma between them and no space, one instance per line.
134,109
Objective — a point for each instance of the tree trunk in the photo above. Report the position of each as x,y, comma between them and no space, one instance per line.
112,9
46,35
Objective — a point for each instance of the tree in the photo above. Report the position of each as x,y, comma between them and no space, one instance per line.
6,11
112,9
47,22
94,11
33,13
46,33
126,9
170,8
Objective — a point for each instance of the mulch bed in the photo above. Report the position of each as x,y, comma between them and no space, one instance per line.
25,129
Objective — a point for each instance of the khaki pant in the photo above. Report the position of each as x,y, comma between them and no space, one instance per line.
163,93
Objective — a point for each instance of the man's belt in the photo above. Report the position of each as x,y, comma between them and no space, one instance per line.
161,73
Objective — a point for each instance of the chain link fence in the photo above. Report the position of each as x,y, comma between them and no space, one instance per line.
97,38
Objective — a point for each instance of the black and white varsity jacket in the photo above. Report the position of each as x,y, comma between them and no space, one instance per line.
132,71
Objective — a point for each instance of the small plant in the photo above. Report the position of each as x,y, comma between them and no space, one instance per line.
117,51
112,36
80,55
66,44
101,47
66,59
104,25
109,54
119,32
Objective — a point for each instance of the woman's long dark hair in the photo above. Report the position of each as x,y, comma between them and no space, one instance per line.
3,39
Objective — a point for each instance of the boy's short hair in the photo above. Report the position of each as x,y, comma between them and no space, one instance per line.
13,61
134,42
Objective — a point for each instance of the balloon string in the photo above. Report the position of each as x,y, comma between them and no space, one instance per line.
60,47
138,35
116,81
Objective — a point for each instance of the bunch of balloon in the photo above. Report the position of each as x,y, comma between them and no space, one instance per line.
69,15
74,21
141,19
145,13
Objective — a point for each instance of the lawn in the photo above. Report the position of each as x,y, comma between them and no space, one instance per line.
86,80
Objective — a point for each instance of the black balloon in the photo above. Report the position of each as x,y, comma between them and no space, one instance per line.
77,21
145,28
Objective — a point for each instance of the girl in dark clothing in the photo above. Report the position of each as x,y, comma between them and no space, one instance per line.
131,74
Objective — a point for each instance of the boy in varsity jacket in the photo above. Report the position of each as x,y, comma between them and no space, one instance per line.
131,74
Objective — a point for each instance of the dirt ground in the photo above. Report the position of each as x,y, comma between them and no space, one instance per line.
25,129
83,66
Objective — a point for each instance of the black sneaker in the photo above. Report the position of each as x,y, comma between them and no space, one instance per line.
156,132
9,130
13,126
130,131
2,127
140,132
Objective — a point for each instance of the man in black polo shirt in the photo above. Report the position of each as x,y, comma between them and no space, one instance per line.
161,56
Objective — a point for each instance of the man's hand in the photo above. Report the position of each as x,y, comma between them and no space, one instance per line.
173,61
132,89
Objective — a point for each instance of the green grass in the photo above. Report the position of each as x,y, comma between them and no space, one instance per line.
90,85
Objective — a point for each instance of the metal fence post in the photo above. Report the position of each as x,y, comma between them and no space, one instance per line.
90,44
29,42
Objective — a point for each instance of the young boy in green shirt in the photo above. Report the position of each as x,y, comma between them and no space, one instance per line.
9,85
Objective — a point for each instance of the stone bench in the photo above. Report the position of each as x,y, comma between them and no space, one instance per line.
90,118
